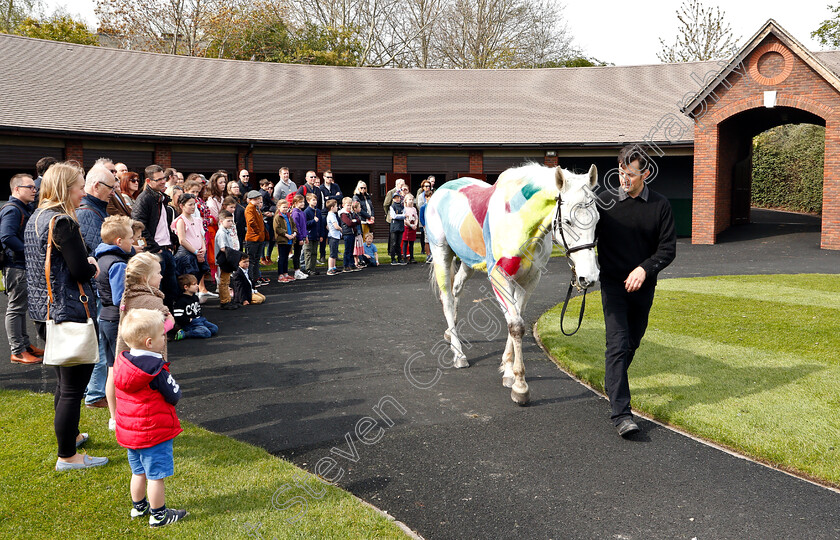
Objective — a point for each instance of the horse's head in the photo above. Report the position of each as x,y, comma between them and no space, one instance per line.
575,221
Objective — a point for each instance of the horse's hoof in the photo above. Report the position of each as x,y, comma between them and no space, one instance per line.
520,398
461,362
447,336
507,382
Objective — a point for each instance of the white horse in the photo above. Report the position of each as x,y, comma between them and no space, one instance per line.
502,229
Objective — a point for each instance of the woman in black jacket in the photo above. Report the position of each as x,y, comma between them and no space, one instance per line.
61,194
361,195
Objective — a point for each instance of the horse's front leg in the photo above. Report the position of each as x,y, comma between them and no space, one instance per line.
506,368
511,296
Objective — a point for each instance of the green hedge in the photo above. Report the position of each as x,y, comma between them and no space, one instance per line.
788,168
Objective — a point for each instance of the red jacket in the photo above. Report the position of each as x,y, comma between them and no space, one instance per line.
144,418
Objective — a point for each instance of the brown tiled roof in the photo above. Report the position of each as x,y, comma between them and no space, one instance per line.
60,87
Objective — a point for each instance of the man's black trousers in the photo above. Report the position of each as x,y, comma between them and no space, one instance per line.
625,319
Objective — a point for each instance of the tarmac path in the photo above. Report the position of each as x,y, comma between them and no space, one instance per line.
450,454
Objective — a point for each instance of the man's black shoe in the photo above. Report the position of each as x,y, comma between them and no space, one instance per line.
627,427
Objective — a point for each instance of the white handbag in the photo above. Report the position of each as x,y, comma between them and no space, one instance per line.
68,343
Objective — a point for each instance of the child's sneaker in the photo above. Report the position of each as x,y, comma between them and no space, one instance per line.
332,272
135,513
180,335
169,516
112,424
300,275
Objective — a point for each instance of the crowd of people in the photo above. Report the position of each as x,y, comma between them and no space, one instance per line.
136,255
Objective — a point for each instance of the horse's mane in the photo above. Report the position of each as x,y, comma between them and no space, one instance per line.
531,173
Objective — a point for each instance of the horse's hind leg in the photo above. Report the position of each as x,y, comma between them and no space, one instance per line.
443,258
464,273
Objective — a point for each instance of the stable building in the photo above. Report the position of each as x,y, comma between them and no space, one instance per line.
696,120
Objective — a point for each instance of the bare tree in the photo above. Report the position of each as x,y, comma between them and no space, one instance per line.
387,29
401,33
503,33
703,34
169,26
421,16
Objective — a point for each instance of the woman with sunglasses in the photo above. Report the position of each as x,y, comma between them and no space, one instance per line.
361,196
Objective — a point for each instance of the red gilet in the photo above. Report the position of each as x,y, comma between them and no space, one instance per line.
144,418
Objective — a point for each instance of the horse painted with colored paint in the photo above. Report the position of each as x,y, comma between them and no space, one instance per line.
501,229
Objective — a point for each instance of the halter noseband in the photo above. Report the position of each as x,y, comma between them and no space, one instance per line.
558,226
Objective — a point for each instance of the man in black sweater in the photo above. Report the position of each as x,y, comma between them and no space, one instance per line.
636,240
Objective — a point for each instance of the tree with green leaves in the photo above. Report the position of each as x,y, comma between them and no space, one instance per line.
57,28
702,34
828,32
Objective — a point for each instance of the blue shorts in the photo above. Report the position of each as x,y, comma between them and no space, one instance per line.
334,247
156,462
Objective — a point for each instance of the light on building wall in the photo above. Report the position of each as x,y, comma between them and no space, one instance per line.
550,153
770,99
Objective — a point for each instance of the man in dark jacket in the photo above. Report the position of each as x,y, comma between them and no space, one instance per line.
99,184
150,210
13,218
309,186
636,240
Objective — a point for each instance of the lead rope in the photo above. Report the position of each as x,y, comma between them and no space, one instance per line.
566,305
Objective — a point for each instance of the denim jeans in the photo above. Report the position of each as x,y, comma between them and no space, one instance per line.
169,281
108,337
14,280
200,328
349,244
96,387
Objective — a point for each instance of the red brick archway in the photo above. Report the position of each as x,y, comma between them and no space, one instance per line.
739,107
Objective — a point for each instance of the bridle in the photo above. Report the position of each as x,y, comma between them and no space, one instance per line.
557,226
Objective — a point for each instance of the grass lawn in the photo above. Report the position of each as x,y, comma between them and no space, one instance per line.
749,362
227,487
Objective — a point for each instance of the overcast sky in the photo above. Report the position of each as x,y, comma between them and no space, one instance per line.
625,32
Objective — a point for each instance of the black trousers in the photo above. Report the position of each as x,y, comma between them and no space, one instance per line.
69,392
395,245
625,318
296,247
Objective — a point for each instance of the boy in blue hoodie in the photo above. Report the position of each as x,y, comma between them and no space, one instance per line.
112,256
314,217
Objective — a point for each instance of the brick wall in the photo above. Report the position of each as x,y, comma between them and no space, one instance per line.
324,160
244,160
163,155
73,151
550,161
771,66
476,162
400,162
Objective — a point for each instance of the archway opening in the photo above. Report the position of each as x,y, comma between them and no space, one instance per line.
771,166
